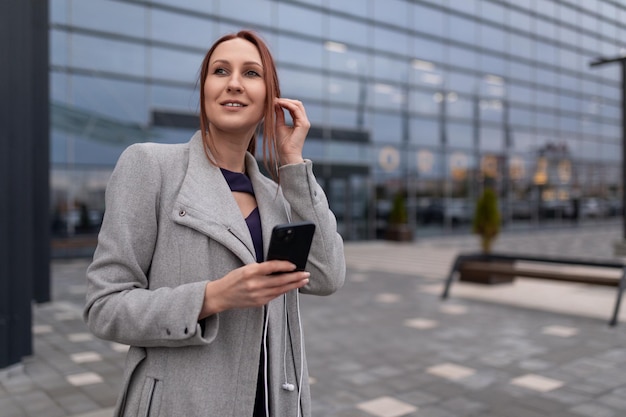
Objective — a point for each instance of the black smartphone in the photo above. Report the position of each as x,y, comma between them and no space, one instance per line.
291,242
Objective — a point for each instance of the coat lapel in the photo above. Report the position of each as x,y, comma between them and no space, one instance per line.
205,203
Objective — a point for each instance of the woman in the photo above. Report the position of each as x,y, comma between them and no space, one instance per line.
178,273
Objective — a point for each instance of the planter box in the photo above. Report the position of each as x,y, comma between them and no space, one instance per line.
399,233
481,272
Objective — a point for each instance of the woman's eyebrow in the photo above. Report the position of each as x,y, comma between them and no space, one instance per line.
225,61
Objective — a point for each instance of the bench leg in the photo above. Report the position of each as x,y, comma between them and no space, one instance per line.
455,266
618,301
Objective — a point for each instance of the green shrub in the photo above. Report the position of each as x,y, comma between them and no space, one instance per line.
398,213
486,222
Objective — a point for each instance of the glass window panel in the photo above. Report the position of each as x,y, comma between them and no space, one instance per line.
108,16
491,110
520,46
345,90
428,50
568,36
459,135
568,103
523,140
492,38
545,98
546,78
568,15
546,120
195,5
519,20
462,57
58,86
493,65
611,130
461,107
589,86
385,96
428,20
520,71
546,53
569,124
121,100
521,94
395,12
58,48
589,22
298,84
461,29
545,7
545,29
346,30
470,7
424,131
300,52
175,99
174,65
390,41
569,82
387,128
107,55
492,11
351,62
610,152
462,83
589,42
346,117
182,29
358,8
259,14
423,102
316,113
491,139
569,60
390,69
58,11
523,117
313,149
294,18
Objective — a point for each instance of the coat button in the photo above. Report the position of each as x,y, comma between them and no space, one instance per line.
182,213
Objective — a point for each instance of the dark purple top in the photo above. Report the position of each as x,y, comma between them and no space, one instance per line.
241,183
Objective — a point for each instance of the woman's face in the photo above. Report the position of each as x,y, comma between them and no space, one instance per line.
234,88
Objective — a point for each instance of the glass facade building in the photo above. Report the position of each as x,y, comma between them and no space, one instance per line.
430,100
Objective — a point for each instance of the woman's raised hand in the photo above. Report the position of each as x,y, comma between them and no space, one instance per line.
291,138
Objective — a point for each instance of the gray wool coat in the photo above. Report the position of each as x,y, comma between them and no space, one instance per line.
171,225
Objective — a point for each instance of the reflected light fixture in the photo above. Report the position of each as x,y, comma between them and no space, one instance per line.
335,46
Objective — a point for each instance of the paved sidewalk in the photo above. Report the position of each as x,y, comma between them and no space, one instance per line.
386,345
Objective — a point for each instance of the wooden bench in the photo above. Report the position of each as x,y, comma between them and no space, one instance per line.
505,267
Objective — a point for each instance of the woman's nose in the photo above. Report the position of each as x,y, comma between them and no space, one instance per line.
234,84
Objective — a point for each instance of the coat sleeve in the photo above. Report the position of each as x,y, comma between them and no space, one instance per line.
120,306
307,200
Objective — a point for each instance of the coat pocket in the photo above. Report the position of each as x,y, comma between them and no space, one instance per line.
150,398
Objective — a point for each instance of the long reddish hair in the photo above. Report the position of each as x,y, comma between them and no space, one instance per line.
267,125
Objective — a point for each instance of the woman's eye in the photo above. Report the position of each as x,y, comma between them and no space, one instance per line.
252,73
219,71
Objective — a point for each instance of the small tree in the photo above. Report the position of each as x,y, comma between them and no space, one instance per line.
486,222
398,222
398,213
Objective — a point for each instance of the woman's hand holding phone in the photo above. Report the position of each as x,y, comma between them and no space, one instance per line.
252,285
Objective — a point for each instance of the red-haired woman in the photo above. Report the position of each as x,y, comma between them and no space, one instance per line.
179,271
